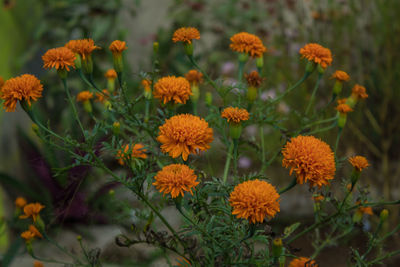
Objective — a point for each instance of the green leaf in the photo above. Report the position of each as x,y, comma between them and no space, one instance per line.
290,229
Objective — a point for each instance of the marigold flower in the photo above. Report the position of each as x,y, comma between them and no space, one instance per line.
364,210
194,77
117,47
253,79
59,58
184,134
20,202
312,159
248,43
317,54
359,92
84,96
37,264
32,210
101,97
25,87
342,101
359,162
318,198
28,236
235,115
111,74
35,231
146,85
172,88
344,108
303,262
340,76
254,200
174,179
186,35
83,47
131,152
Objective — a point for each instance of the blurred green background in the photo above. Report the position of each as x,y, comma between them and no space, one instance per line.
364,37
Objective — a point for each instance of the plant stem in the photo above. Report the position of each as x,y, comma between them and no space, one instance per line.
314,93
337,139
71,102
290,186
262,144
235,154
291,88
228,162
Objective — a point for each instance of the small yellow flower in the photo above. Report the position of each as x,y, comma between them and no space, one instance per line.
194,77
111,74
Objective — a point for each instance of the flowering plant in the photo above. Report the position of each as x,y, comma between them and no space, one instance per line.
158,135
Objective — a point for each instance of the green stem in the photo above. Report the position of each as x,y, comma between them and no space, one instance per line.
83,77
71,102
320,122
228,162
124,94
147,110
337,139
388,255
372,241
240,71
194,105
333,125
264,166
291,88
314,93
292,184
235,154
60,248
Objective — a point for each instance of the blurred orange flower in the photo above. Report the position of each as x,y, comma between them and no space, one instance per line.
83,47
303,262
317,54
235,115
84,96
172,88
340,76
136,151
245,42
59,58
186,35
32,210
359,162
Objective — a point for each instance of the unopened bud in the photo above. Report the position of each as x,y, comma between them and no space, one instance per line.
87,106
208,98
276,247
195,93
342,120
384,215
252,94
87,64
35,128
116,128
337,88
79,238
156,46
260,63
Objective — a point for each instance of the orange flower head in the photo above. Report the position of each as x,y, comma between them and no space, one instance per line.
340,76
359,92
359,162
136,151
101,97
317,54
84,96
59,58
20,202
111,74
248,43
235,115
35,231
254,200
174,179
32,210
194,77
364,210
37,264
312,159
344,108
184,134
117,47
172,88
303,262
253,79
342,101
318,198
25,87
83,47
28,236
186,35
146,85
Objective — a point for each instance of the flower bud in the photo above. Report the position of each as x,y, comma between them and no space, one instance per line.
116,128
276,247
342,120
260,63
351,101
156,46
79,238
208,98
357,216
252,94
87,106
337,88
78,61
111,85
88,64
117,60
35,128
195,93
384,215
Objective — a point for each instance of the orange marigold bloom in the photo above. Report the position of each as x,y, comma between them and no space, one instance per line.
131,152
359,162
32,210
117,47
317,54
340,76
254,200
172,88
312,159
359,92
235,115
146,85
184,134
25,87
59,58
344,108
303,262
20,202
37,264
364,210
245,42
35,231
174,179
194,77
31,233
318,198
253,79
101,97
84,96
186,35
342,101
83,47
111,74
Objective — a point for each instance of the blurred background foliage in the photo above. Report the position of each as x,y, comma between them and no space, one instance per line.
364,37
